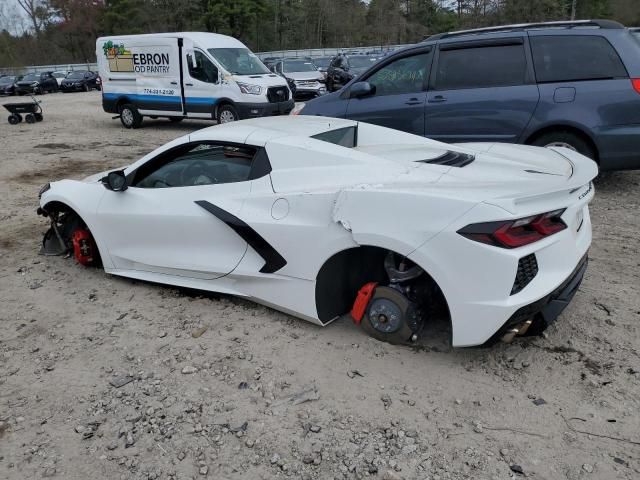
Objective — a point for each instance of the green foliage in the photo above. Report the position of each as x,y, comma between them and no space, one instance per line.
68,28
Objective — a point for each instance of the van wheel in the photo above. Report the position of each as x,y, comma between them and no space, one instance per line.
129,116
226,114
563,138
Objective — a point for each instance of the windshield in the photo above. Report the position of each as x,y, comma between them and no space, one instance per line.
360,62
7,80
322,62
239,61
299,66
79,74
32,77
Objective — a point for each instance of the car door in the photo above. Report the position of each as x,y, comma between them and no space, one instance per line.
174,217
481,91
201,82
400,92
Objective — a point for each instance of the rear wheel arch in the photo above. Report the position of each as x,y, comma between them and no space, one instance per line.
580,133
343,274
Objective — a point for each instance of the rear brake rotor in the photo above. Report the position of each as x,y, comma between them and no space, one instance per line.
391,316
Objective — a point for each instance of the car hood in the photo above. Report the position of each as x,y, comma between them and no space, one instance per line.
508,175
304,75
503,175
264,80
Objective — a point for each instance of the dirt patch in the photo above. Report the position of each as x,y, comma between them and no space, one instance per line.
65,168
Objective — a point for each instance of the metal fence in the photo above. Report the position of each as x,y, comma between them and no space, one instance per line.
305,53
65,67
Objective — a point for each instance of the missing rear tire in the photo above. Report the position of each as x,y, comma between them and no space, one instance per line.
389,315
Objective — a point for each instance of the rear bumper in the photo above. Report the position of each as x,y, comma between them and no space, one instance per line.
477,280
253,110
545,311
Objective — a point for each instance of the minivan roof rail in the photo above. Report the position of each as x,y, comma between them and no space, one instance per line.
606,24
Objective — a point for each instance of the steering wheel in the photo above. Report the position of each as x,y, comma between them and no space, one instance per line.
191,172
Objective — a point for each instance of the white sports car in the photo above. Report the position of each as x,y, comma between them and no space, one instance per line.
319,217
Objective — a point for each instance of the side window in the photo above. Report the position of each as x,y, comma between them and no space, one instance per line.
481,67
405,75
196,164
575,57
205,70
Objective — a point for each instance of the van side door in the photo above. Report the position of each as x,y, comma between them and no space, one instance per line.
481,90
201,83
399,95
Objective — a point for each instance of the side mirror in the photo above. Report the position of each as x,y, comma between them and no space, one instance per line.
115,181
361,89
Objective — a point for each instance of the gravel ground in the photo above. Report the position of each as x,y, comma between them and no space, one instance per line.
104,377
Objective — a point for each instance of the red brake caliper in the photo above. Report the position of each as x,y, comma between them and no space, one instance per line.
362,300
83,246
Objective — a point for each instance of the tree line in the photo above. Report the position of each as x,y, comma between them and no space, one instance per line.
64,31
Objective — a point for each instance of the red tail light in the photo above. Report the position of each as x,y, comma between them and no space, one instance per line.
636,84
515,233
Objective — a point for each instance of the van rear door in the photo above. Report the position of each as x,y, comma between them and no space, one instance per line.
144,71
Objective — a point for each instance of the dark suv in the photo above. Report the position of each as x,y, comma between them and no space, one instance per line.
344,68
575,84
80,80
37,83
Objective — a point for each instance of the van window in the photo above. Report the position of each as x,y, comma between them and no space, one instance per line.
239,61
405,75
205,70
575,57
481,67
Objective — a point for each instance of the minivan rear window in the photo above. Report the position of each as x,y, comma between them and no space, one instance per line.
575,57
481,67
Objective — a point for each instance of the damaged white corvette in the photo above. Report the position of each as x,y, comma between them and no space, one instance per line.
319,217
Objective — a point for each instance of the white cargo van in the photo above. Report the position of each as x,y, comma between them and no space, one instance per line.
186,75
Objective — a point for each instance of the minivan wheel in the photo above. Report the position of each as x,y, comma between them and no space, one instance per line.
227,114
129,116
566,139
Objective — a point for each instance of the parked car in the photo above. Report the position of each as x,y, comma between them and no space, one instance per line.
80,81
8,84
322,63
37,83
308,80
497,237
344,68
574,84
60,75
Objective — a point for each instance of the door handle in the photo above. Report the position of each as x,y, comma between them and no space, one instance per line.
413,101
174,83
189,84
438,99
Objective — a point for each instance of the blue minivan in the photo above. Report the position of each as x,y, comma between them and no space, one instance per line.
574,84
